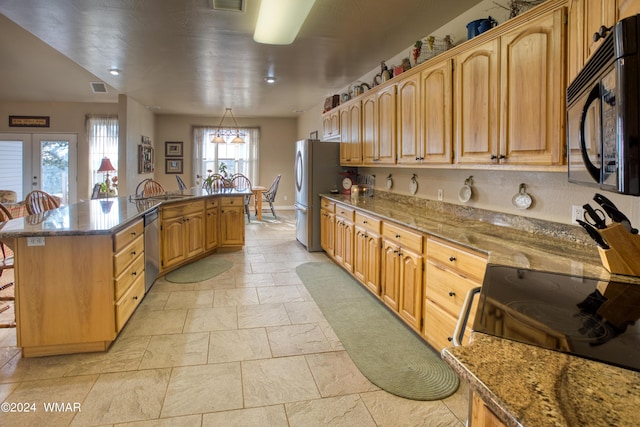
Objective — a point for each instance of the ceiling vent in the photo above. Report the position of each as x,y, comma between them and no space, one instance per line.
98,87
230,5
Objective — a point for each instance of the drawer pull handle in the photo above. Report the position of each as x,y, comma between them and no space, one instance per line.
365,222
452,258
397,236
449,339
452,294
136,297
133,252
133,273
133,233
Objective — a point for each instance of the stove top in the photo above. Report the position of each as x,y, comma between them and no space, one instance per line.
581,316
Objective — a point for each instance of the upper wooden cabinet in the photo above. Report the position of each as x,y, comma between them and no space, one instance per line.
331,124
408,118
379,127
532,92
437,113
596,14
476,97
350,134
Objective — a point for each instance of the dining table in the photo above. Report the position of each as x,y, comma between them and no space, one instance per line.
257,194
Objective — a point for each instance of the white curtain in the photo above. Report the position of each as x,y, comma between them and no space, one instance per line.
102,132
239,158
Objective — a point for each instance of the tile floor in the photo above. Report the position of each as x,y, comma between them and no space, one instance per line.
246,348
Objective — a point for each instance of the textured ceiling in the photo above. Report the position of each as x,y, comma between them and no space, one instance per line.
182,56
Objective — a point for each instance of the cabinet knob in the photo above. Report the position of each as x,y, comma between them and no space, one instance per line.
397,236
133,252
452,294
452,258
602,32
134,273
449,339
133,233
135,297
493,157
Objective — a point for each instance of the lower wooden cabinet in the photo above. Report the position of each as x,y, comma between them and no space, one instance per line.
212,224
481,415
181,232
327,226
231,221
344,229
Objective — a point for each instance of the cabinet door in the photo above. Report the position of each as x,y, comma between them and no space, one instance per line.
347,241
232,225
390,272
369,125
172,241
372,265
476,99
379,127
437,113
331,124
360,254
194,234
345,139
575,38
410,279
408,115
481,415
327,232
596,14
355,139
627,8
532,92
339,248
211,227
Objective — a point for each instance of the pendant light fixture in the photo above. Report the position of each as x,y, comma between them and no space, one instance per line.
222,132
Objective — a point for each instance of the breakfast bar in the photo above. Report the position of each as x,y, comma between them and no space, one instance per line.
80,269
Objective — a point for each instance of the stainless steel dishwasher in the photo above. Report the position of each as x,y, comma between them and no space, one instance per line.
151,248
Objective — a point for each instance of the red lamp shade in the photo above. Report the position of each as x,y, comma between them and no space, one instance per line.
106,166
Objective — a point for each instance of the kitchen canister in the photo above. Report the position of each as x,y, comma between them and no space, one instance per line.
479,26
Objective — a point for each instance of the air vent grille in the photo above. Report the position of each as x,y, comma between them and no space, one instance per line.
230,5
98,87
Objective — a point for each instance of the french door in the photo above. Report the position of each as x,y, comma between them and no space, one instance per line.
46,162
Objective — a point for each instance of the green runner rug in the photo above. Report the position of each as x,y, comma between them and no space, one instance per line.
204,269
386,351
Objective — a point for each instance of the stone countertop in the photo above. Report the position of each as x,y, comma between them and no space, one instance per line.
524,385
101,216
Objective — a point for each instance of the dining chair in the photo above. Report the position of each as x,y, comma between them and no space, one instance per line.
152,188
241,182
269,196
7,288
39,201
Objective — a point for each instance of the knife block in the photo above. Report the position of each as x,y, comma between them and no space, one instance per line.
623,255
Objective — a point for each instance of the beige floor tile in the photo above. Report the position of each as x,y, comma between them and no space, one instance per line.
275,381
337,375
205,388
166,351
458,403
238,345
154,300
271,416
259,316
270,267
67,391
222,281
8,353
304,312
190,299
388,410
162,285
125,354
286,278
186,421
8,337
124,397
6,389
293,340
233,297
211,319
254,280
344,411
34,368
279,294
333,339
144,323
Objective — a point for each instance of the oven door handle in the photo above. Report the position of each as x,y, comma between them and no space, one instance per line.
461,324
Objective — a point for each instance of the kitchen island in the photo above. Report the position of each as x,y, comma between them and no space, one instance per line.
518,384
79,269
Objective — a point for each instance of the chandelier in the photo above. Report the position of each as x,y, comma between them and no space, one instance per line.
226,132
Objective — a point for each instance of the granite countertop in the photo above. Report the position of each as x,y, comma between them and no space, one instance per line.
101,216
524,385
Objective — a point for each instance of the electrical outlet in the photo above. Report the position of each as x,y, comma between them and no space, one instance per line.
440,194
35,241
577,213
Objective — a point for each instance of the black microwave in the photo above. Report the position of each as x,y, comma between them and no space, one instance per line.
603,113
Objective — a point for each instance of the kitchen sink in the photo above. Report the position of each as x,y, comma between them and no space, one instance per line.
168,196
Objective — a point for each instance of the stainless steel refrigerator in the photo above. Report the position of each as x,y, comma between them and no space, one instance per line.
317,168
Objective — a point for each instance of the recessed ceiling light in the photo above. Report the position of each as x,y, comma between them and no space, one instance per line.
270,79
114,72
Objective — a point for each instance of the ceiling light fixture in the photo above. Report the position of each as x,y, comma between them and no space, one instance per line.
270,79
280,20
114,72
226,132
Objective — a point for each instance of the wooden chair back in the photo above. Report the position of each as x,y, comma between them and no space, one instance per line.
39,201
152,188
241,182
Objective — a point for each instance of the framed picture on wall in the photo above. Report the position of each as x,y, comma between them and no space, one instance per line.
145,158
173,166
173,148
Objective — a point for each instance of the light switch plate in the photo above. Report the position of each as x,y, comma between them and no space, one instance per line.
35,241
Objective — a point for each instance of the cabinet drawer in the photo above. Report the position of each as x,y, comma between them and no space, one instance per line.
122,259
211,203
447,289
367,222
177,210
439,327
232,201
406,238
124,237
328,205
129,275
129,301
469,264
345,212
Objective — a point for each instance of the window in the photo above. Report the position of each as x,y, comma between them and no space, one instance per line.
102,132
238,158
